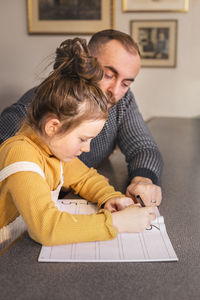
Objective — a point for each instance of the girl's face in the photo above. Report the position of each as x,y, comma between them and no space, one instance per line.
71,144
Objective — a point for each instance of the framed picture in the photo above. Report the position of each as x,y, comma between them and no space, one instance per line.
155,5
69,16
157,40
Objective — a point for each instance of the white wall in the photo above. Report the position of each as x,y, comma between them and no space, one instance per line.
159,91
171,91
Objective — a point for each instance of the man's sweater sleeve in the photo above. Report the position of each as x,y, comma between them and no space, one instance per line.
137,144
13,116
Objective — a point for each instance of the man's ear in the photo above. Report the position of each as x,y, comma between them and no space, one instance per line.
51,127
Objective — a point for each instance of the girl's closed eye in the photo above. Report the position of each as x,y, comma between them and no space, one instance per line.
83,140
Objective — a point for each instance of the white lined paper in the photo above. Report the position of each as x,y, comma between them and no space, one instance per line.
149,246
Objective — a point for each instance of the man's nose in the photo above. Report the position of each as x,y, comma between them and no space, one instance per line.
114,89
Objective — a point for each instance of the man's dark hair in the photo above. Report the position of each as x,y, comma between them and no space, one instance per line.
99,39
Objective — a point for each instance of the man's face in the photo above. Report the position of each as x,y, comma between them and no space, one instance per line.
120,69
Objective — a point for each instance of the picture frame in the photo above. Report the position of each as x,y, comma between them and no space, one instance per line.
69,16
157,41
155,5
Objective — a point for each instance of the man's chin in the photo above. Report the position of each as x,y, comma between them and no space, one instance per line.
111,104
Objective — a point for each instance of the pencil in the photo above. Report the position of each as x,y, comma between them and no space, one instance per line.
140,200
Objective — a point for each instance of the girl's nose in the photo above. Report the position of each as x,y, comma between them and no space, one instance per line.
86,147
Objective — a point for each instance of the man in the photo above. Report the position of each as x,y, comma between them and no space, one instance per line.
125,127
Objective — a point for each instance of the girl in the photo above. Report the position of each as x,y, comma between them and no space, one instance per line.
68,110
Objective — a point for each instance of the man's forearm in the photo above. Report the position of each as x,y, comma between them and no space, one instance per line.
148,165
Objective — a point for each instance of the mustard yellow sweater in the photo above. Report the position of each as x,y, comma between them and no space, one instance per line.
28,194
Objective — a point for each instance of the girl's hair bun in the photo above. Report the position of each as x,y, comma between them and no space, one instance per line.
71,92
73,60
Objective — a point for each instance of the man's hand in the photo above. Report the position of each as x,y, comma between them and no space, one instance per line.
150,193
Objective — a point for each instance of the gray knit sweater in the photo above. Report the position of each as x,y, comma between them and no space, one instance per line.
125,127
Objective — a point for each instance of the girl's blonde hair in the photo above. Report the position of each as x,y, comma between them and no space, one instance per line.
71,91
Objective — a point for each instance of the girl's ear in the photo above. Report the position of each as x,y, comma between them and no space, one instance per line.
52,126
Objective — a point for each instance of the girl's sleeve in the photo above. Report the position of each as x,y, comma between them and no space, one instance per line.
31,195
46,224
88,183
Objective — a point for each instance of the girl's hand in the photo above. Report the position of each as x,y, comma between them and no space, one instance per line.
117,203
133,218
